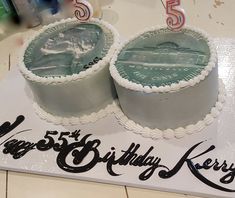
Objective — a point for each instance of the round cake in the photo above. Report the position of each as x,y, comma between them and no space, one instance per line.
167,81
66,66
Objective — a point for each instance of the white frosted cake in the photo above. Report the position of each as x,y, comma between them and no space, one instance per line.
167,82
66,66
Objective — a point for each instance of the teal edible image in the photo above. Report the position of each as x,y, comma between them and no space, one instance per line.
160,60
66,50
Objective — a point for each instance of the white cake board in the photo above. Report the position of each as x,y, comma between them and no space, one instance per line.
16,100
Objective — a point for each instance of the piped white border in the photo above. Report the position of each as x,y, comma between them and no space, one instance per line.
178,132
168,88
67,121
134,127
75,77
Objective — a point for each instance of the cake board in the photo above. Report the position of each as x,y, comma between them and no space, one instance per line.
110,153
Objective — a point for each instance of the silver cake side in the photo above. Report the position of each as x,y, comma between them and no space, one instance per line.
60,85
161,106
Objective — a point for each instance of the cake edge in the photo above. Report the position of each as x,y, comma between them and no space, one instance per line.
75,77
179,132
83,119
167,88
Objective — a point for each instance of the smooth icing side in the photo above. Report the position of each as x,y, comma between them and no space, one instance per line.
76,97
74,77
170,109
177,132
84,119
168,88
77,94
130,125
165,105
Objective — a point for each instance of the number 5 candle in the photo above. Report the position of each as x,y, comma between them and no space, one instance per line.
175,15
84,10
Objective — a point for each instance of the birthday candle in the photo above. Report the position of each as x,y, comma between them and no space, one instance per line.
83,11
175,15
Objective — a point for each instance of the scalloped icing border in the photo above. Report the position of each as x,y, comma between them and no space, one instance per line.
178,132
75,77
168,88
84,119
134,127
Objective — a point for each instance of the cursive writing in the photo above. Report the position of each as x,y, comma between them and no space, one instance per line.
78,154
7,127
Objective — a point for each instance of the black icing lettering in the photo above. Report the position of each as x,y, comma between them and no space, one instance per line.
97,59
94,61
18,148
194,169
59,147
138,161
79,155
130,157
129,154
149,161
167,174
86,67
207,164
228,178
44,145
110,162
133,159
106,157
75,135
149,172
203,179
7,127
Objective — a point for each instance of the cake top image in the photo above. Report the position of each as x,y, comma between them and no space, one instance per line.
161,57
68,48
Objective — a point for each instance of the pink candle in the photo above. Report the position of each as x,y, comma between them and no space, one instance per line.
83,10
175,15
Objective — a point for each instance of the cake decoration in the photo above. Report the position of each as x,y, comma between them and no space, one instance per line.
159,33
74,120
159,63
166,78
175,15
66,66
179,132
167,82
84,10
68,49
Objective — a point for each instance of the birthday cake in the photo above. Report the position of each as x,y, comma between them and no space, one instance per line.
167,82
66,66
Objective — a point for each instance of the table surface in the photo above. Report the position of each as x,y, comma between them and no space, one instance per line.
128,16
